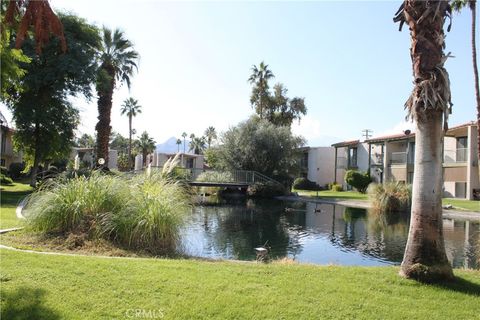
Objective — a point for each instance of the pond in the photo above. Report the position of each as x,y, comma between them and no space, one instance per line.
315,233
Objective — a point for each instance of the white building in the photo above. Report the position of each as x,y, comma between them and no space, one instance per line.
317,164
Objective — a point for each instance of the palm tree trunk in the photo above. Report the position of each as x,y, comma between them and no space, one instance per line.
425,258
36,158
129,142
425,252
103,127
473,5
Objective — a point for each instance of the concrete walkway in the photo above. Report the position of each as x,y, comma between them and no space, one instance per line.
447,213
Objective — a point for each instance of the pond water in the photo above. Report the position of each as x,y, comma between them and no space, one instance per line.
315,233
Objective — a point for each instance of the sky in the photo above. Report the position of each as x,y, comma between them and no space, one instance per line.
347,59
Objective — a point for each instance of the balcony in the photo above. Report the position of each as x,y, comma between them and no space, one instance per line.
459,155
398,158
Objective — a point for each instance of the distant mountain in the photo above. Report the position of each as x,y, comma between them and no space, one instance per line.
170,146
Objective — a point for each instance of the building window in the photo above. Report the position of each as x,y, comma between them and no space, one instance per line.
2,162
352,158
462,149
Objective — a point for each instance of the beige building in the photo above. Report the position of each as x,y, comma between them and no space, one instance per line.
7,153
392,158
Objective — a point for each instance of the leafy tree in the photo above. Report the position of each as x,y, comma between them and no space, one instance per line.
429,106
259,145
131,108
259,98
197,145
472,4
11,72
85,141
118,62
44,118
212,157
211,135
119,143
145,145
281,110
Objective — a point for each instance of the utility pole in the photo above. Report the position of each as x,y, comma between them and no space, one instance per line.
367,133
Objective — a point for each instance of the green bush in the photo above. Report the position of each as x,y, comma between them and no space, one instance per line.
390,197
142,212
305,184
15,170
4,180
3,170
335,187
215,176
265,190
358,180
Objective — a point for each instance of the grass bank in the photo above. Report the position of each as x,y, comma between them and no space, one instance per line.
466,205
9,198
36,286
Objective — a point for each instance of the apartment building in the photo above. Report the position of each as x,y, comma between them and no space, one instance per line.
392,158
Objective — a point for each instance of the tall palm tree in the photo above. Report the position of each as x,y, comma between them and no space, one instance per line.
259,79
210,134
118,60
184,135
472,4
429,105
145,145
197,145
179,142
131,108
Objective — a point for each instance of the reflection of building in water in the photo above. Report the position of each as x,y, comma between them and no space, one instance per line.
462,239
385,237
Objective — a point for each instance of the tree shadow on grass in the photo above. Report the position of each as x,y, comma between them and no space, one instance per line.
461,285
26,303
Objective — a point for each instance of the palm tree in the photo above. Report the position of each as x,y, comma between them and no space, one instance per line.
118,62
472,4
429,105
179,142
184,135
259,78
211,135
197,145
131,108
145,145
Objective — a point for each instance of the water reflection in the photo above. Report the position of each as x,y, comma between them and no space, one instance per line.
315,233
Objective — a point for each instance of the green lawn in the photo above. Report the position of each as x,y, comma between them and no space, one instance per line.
468,205
38,286
10,196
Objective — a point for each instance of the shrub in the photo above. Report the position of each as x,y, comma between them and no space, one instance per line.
358,180
265,190
3,170
390,197
16,169
215,176
144,212
4,180
305,184
335,187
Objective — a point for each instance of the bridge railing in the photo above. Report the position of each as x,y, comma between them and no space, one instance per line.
246,177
